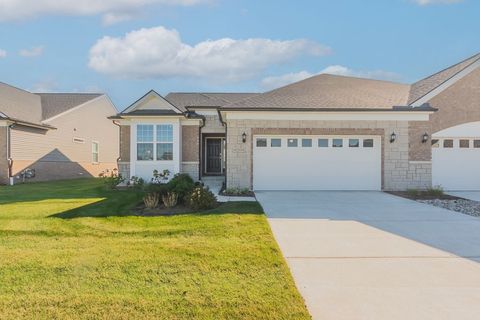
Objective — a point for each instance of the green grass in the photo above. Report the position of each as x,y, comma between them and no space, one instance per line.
69,250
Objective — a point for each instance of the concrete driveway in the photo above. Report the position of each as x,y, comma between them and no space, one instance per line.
371,255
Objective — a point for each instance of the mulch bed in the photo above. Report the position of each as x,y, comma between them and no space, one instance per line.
246,194
423,195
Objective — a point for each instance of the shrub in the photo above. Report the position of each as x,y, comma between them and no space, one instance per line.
170,199
111,179
160,178
435,191
136,182
181,184
151,200
161,189
201,199
237,191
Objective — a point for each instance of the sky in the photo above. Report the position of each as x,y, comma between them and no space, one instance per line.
127,47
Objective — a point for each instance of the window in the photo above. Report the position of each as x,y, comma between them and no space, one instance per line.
292,142
337,143
353,143
95,152
154,140
464,143
368,143
323,143
276,143
261,142
435,143
165,142
448,143
144,142
476,143
306,143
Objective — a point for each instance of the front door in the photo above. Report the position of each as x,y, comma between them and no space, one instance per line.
214,156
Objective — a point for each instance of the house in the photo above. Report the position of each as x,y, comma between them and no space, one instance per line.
327,132
57,135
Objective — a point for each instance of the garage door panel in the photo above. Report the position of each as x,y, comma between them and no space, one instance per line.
316,168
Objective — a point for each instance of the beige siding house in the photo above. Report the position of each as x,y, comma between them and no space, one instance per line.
327,132
57,135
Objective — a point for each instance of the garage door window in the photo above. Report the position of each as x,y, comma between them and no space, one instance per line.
476,143
276,143
368,143
435,143
323,143
337,143
448,143
464,143
306,143
261,143
292,143
354,143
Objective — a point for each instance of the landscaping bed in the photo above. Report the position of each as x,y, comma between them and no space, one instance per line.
72,250
436,197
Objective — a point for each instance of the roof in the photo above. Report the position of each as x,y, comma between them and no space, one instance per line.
423,87
17,103
327,91
206,99
56,103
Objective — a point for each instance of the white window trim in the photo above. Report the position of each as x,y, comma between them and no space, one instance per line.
98,151
154,142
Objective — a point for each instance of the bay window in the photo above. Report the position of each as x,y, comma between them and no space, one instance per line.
154,142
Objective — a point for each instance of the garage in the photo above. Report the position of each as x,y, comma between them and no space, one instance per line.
317,163
456,158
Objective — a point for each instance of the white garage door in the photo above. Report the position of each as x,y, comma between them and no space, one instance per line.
456,163
317,163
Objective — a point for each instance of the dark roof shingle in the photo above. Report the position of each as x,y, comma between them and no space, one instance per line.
56,103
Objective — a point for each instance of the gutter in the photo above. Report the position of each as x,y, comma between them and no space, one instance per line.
9,155
424,108
118,125
200,145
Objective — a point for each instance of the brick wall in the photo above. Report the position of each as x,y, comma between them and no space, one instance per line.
190,143
398,172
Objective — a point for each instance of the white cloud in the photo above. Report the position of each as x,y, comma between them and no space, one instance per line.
24,9
3,53
33,52
428,2
159,52
109,19
273,82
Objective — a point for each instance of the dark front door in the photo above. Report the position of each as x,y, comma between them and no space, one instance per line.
214,155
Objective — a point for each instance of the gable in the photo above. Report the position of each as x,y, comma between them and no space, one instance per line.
153,103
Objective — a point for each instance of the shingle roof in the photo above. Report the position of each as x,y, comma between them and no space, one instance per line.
19,104
424,86
199,99
327,91
56,103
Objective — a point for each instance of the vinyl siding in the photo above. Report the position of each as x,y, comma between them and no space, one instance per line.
3,155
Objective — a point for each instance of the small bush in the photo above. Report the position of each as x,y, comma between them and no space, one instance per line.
237,191
151,200
161,189
435,191
170,199
413,192
201,199
111,179
181,184
137,183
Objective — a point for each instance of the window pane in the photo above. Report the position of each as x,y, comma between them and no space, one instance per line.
306,143
435,143
144,151
276,143
165,133
323,143
292,142
368,143
476,143
337,143
94,152
448,143
144,133
464,143
353,143
164,151
261,142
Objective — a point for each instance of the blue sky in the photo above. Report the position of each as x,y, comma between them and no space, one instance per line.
127,47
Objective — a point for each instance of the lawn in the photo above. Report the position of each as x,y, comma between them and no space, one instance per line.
70,250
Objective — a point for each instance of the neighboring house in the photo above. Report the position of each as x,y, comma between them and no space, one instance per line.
324,133
59,135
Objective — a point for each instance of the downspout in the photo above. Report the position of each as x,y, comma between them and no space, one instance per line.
200,144
119,141
226,143
9,155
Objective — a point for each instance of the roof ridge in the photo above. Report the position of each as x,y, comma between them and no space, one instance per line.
70,93
477,55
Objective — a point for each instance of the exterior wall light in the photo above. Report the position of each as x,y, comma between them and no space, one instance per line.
244,137
393,137
425,137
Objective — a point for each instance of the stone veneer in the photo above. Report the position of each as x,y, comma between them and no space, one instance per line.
3,156
398,172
